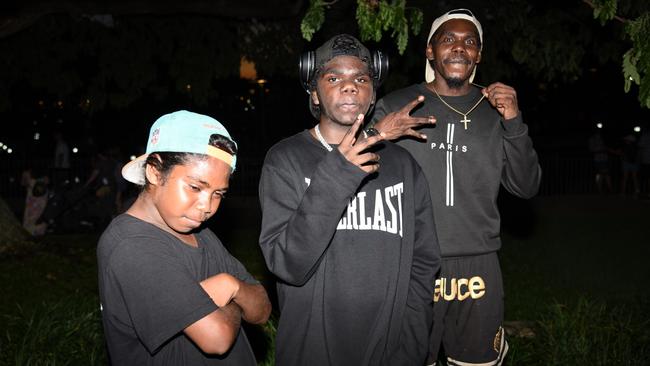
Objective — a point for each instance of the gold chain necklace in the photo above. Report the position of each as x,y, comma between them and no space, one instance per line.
464,121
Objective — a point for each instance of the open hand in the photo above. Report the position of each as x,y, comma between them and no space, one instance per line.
401,123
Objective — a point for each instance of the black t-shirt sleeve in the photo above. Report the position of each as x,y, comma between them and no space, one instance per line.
161,296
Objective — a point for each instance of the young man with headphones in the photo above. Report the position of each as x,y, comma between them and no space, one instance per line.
347,226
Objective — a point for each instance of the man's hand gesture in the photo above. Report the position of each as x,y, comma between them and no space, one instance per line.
354,149
401,123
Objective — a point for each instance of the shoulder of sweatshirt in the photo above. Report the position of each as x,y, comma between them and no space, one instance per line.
287,144
403,95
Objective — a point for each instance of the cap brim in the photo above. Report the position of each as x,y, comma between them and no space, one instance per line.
429,75
133,171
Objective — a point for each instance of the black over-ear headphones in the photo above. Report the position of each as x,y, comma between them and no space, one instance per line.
307,67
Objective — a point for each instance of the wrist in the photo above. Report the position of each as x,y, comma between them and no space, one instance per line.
371,131
237,287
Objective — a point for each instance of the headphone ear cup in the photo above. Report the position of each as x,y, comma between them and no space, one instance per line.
380,64
306,69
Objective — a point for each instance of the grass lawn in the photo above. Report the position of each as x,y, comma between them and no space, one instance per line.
594,247
574,271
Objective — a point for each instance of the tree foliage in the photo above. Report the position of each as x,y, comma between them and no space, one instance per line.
374,17
536,34
313,19
98,65
100,62
636,60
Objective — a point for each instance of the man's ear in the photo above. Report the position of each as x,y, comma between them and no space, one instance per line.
429,52
314,97
478,58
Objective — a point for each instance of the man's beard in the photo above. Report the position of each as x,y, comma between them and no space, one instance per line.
454,83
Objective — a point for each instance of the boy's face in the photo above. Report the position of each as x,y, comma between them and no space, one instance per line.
191,193
344,90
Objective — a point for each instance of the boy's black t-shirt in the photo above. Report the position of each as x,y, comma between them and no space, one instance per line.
149,291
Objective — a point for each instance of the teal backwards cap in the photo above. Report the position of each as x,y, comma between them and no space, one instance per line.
183,132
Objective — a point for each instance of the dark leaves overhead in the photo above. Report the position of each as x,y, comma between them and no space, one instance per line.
112,66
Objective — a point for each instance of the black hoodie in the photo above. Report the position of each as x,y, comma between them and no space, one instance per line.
355,255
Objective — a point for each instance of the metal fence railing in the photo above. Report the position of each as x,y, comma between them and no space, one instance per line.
562,174
566,175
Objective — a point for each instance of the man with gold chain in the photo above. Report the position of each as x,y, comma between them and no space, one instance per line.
478,142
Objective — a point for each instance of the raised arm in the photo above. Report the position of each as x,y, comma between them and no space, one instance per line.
522,174
299,213
299,217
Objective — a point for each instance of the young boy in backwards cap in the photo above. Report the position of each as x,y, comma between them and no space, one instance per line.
347,228
171,294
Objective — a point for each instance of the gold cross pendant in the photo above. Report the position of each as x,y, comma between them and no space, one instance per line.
465,121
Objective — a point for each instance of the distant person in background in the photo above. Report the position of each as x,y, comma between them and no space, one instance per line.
600,154
629,164
644,160
35,202
61,165
103,185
